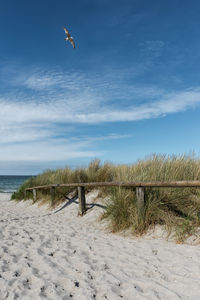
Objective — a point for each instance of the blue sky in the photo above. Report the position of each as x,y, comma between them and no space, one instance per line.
130,88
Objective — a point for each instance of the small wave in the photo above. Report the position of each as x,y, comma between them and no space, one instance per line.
7,191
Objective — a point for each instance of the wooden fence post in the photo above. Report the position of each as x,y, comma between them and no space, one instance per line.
24,194
34,195
140,197
82,202
52,192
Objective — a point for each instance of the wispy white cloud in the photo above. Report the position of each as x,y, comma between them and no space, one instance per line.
113,83
45,105
106,138
22,133
54,149
89,111
48,150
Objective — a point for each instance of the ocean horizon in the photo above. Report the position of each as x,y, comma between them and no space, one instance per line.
10,183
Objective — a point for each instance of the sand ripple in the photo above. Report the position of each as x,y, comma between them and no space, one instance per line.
47,255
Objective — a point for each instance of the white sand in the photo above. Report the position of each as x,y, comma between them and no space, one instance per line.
47,255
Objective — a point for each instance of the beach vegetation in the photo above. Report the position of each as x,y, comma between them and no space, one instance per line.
176,209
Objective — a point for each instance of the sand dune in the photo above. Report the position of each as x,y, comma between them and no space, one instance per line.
58,255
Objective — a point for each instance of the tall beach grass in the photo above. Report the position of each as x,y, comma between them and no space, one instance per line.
177,209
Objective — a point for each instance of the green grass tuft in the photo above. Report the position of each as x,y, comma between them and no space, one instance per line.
178,209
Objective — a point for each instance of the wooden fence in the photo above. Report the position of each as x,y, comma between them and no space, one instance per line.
140,189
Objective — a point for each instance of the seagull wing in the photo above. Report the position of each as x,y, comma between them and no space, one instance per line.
67,32
72,42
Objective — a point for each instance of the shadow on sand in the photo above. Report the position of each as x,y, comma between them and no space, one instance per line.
68,202
75,200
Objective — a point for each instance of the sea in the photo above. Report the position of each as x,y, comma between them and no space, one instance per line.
9,184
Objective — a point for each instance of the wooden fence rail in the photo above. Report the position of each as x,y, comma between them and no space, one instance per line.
140,189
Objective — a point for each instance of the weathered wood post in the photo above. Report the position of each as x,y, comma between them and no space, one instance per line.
34,195
82,202
140,197
24,194
52,193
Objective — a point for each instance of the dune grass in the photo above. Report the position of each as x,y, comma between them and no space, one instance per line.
178,209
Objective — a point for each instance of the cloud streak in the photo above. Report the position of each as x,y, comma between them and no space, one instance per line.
90,112
43,107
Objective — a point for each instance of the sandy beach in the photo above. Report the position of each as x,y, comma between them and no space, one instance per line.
56,254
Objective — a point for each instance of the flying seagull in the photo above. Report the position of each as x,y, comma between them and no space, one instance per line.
69,37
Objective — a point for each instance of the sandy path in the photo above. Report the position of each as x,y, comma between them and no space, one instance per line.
47,255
